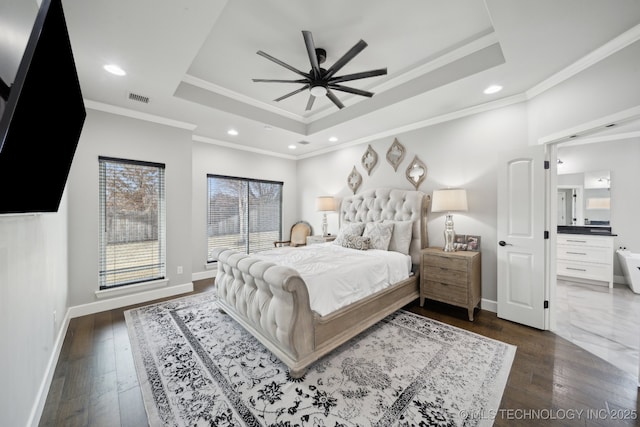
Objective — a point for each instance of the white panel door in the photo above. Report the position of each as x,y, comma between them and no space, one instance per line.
521,244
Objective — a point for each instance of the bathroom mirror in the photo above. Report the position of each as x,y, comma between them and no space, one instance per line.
584,199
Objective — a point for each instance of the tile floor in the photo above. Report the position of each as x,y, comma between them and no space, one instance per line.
604,321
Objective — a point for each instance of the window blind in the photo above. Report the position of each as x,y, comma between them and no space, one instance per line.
243,214
132,222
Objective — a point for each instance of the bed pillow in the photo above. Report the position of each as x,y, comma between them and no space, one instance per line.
379,233
356,242
401,236
353,229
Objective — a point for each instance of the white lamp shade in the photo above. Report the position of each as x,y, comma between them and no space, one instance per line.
326,204
453,199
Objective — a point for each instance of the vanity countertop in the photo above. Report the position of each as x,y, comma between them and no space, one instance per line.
586,230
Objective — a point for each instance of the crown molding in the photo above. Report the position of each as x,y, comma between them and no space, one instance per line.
623,40
203,84
493,105
220,143
120,111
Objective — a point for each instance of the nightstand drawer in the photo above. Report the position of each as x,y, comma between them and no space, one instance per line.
451,277
445,275
446,292
445,262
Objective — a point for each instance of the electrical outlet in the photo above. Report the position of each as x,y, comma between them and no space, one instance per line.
179,269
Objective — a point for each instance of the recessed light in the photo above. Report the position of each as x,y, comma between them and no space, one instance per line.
232,132
114,69
493,89
333,139
292,147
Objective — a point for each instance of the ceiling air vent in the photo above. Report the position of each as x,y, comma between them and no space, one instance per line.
139,98
303,142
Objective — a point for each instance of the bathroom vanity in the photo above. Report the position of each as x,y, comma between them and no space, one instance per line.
585,253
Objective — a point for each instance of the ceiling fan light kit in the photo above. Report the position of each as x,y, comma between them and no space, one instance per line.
320,81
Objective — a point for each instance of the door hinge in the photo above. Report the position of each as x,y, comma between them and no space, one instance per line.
546,164
546,304
546,234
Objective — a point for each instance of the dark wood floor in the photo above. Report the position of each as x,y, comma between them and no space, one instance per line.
551,379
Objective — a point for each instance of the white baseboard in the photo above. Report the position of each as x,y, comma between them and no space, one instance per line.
489,305
43,391
91,308
203,275
125,300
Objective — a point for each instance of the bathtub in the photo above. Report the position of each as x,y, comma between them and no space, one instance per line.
630,264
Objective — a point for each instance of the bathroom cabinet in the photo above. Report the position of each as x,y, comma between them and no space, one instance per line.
585,257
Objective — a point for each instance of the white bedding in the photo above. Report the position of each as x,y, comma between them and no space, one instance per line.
337,276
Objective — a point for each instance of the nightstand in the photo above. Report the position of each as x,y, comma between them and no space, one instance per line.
451,277
320,239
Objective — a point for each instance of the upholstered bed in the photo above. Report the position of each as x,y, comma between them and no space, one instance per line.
272,302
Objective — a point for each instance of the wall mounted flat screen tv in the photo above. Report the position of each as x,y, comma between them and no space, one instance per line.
42,113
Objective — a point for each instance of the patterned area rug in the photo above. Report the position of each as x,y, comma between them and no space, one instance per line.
198,367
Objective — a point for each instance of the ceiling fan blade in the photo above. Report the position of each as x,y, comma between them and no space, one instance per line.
356,76
285,65
281,81
356,49
310,102
351,90
334,99
305,87
311,51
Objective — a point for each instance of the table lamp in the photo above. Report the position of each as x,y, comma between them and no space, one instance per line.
448,200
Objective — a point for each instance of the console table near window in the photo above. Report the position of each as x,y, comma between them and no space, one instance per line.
451,277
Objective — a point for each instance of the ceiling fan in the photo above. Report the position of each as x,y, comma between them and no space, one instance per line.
320,81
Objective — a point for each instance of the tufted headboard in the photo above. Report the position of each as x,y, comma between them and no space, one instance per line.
391,204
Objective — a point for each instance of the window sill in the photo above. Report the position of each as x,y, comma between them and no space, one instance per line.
131,289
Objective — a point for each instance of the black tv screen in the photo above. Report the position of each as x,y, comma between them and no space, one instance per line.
42,117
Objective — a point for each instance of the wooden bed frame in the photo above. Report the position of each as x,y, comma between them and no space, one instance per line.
272,302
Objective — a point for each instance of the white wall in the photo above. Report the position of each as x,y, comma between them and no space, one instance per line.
33,285
218,160
106,134
461,153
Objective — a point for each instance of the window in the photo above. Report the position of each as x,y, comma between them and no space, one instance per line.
132,222
243,214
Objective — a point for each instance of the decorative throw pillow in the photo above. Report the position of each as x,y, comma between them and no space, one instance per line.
379,233
401,236
356,242
353,229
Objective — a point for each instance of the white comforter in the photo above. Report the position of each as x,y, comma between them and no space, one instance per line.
337,276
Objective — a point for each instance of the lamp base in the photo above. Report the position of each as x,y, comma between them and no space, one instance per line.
324,225
449,234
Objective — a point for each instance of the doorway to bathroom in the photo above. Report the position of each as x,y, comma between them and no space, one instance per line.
603,320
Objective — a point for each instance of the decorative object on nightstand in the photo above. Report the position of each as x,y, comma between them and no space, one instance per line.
320,239
451,277
325,204
448,200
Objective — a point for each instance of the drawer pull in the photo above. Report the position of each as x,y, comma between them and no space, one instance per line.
577,269
577,241
576,253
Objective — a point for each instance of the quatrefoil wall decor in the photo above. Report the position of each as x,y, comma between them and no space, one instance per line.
369,159
354,180
416,172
